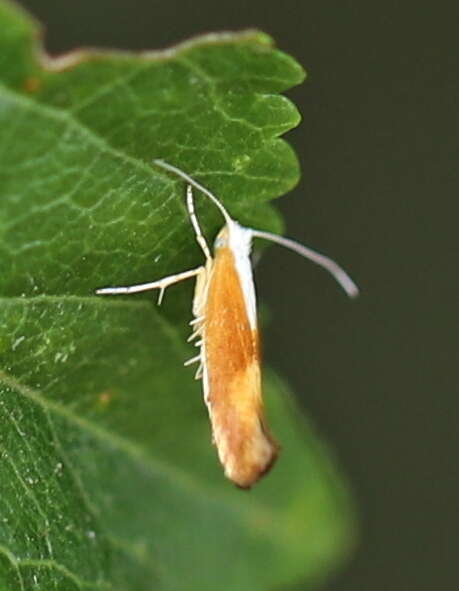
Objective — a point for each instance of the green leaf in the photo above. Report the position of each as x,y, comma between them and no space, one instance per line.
107,476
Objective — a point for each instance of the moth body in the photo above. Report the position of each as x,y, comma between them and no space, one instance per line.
231,362
225,326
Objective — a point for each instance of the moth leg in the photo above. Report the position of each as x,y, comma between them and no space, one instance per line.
200,295
198,374
160,284
193,360
199,301
192,336
194,220
196,320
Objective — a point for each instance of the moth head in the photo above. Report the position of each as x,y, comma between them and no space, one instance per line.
222,239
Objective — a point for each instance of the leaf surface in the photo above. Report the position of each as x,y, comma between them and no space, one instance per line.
108,479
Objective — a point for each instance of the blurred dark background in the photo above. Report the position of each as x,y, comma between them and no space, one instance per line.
379,148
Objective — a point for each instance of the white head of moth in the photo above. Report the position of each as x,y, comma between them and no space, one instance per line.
225,324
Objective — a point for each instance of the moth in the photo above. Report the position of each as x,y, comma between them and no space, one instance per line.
225,326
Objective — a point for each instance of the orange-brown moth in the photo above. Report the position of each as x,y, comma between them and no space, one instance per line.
225,322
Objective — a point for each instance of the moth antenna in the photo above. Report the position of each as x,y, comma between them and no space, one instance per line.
325,262
195,184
